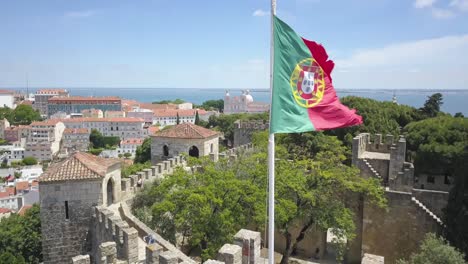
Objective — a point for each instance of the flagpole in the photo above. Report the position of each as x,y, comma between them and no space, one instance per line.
271,154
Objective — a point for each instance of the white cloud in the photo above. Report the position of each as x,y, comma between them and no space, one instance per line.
416,64
260,13
442,13
80,14
462,5
424,3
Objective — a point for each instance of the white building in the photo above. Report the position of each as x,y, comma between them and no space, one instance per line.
168,117
123,127
7,99
185,106
130,145
14,202
44,138
243,104
75,139
4,124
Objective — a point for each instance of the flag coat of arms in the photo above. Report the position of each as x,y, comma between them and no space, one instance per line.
303,97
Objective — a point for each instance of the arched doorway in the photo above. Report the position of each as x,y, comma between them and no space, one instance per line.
110,193
165,151
193,152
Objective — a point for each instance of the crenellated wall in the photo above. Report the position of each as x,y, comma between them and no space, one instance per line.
243,130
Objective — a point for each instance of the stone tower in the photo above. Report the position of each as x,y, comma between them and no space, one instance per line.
68,192
188,138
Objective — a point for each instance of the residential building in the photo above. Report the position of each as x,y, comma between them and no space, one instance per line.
168,117
14,202
44,139
243,104
75,139
114,114
145,114
130,145
5,212
94,113
123,127
185,106
7,98
4,124
76,104
42,96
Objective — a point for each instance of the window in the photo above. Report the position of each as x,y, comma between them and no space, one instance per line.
66,210
430,179
447,179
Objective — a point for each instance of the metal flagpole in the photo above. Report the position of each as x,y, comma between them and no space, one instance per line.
271,154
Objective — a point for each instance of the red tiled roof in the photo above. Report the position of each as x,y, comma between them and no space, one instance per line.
76,131
4,210
152,130
4,194
132,141
26,102
80,166
34,184
107,119
21,186
182,112
10,191
82,98
7,92
157,106
186,130
49,122
23,209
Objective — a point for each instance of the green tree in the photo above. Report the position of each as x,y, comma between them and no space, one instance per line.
127,155
143,152
459,114
177,119
436,143
7,257
24,115
128,170
432,105
29,161
197,119
99,141
213,105
378,117
435,250
456,213
176,101
206,207
21,237
120,155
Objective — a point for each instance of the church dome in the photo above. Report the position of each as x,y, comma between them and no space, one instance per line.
248,97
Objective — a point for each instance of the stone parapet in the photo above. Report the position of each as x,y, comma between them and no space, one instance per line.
81,259
250,243
230,254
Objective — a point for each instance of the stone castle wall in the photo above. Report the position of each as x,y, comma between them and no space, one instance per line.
394,232
397,231
62,237
243,130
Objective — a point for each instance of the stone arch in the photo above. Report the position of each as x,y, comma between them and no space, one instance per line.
194,152
165,151
110,192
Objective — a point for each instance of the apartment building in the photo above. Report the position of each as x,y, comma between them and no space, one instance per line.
123,127
43,141
76,104
42,96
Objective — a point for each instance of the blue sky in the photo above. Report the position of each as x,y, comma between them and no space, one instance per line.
225,44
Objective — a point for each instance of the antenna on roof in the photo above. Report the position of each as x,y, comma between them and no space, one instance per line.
27,85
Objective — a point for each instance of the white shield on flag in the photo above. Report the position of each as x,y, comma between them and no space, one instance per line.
307,86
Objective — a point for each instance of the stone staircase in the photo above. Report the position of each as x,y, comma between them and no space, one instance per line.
424,208
374,172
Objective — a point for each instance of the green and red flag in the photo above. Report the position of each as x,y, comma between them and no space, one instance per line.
303,96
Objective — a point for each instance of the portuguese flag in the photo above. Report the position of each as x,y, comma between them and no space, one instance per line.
303,97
